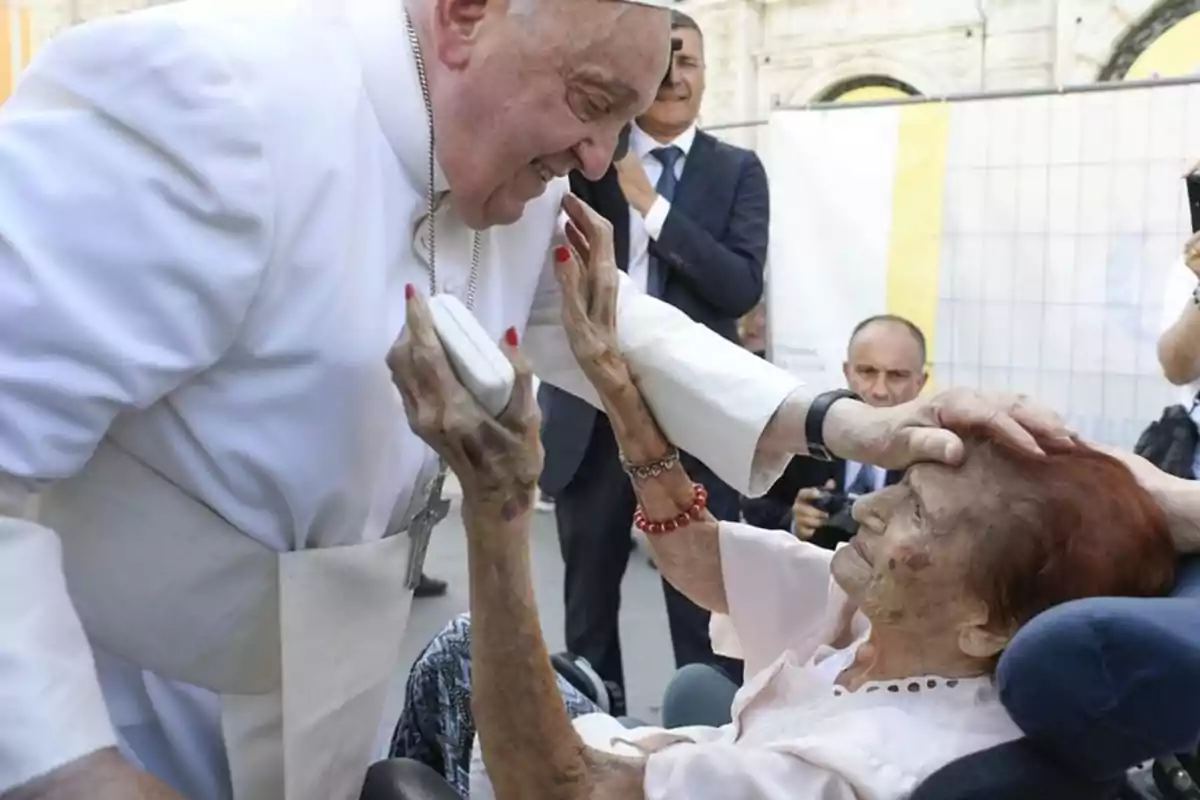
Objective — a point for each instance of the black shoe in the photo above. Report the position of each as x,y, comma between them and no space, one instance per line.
430,587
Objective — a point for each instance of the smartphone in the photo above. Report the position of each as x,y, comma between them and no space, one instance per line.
1193,190
480,365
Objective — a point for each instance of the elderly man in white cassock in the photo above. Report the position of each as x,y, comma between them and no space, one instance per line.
209,213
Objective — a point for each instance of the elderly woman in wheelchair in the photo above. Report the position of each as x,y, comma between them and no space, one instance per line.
872,671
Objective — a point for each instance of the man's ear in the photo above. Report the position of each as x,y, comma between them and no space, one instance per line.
456,28
976,639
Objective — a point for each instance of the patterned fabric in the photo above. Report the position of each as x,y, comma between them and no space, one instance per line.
436,726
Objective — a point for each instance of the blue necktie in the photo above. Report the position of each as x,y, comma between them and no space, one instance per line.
668,157
864,481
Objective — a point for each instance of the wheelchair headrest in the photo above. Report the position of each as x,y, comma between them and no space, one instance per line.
1105,683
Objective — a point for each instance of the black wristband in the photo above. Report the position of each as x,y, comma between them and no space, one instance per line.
814,421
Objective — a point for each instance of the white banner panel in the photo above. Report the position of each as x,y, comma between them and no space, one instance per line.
1029,237
831,208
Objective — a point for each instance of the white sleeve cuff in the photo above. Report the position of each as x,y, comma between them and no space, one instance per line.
656,217
53,710
713,398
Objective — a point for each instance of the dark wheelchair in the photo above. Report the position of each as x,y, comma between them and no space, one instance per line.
1107,691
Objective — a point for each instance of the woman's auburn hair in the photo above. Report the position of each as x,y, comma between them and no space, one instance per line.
1070,524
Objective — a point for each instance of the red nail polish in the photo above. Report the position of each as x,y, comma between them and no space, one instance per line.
510,336
409,291
561,254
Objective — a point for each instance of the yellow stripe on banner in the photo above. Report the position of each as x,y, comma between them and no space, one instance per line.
7,47
915,247
25,22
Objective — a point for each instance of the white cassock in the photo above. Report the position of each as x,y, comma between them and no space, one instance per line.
208,214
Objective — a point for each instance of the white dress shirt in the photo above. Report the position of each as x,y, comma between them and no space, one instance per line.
643,229
208,215
795,733
1177,295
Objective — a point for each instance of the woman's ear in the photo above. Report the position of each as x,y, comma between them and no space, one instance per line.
979,640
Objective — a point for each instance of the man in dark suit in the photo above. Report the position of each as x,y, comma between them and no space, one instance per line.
885,366
690,219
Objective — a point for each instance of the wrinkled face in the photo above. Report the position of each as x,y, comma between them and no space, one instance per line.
678,105
884,365
907,566
522,96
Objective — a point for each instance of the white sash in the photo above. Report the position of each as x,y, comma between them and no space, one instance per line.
300,646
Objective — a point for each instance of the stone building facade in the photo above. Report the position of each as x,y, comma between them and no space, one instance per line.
764,53
767,53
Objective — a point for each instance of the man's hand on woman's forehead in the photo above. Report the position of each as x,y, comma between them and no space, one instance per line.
923,429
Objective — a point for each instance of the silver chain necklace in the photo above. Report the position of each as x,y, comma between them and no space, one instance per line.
436,507
476,240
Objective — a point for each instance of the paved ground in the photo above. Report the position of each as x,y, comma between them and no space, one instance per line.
645,640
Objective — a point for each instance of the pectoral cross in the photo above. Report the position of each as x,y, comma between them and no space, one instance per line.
420,530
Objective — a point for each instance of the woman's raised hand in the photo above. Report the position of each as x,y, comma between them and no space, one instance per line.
497,459
587,273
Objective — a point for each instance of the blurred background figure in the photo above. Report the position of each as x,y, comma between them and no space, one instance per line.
1171,442
885,366
690,219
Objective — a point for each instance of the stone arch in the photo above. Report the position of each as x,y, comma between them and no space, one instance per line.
819,84
1160,18
862,81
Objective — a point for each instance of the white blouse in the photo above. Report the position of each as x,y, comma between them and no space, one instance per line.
794,732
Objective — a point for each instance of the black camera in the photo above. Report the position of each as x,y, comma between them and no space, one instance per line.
668,79
840,526
832,503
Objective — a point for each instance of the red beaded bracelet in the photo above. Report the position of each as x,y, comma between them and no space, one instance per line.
693,512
